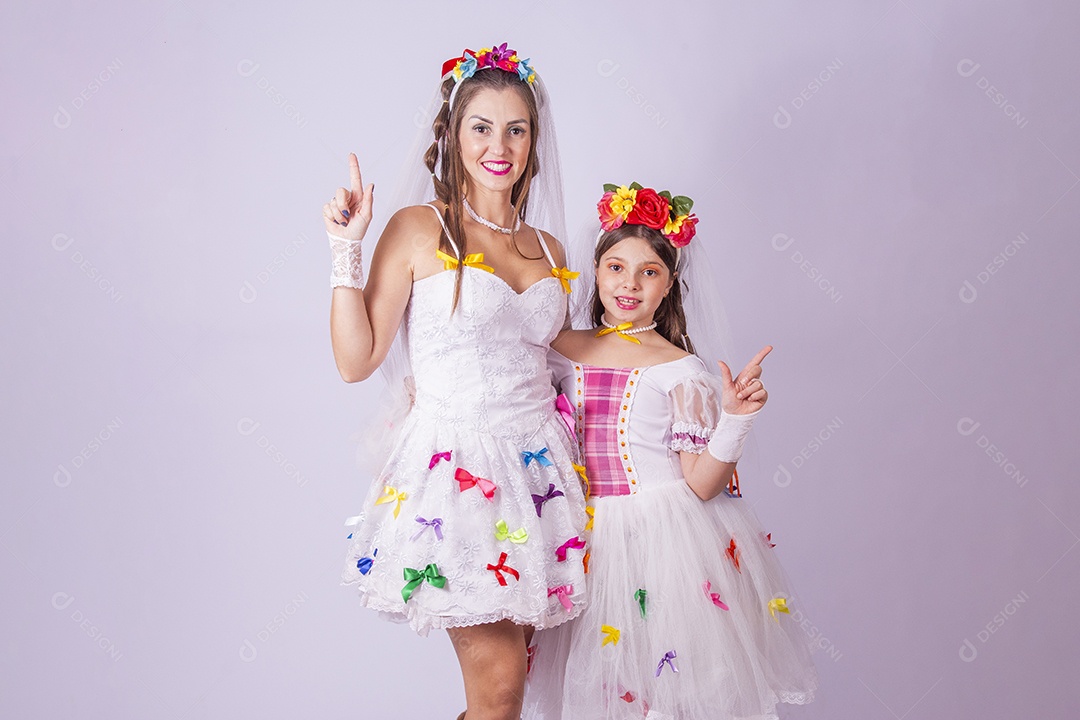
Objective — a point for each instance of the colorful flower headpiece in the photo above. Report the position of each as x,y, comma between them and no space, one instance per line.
637,205
497,57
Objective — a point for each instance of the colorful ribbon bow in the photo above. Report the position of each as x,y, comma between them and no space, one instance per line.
733,553
437,457
669,659
640,596
590,512
502,566
584,479
768,540
566,412
732,489
620,331
434,523
475,260
539,500
714,597
391,495
611,635
466,480
574,542
502,532
778,605
563,592
413,578
565,275
538,456
364,563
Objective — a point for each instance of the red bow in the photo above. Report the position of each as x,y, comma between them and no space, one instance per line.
733,553
452,62
574,542
466,480
501,567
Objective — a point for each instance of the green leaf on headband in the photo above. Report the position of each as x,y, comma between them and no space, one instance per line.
608,187
665,194
682,204
636,186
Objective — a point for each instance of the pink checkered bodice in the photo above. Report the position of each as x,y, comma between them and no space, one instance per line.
624,421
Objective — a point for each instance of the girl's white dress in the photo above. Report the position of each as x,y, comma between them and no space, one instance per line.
479,514
689,609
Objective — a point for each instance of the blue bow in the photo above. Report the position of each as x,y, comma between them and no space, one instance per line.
364,563
538,456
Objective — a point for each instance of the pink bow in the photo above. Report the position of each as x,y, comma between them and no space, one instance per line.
575,542
562,592
562,404
715,597
466,480
437,457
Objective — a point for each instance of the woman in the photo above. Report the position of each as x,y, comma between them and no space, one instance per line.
475,523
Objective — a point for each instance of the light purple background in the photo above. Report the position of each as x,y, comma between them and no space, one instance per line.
166,321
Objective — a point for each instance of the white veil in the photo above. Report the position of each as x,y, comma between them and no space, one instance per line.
545,211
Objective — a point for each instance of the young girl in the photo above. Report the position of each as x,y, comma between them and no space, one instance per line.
461,529
688,613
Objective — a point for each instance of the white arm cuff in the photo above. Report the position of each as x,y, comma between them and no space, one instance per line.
348,267
726,443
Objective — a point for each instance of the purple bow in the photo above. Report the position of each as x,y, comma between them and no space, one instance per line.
574,542
434,523
668,658
437,457
539,500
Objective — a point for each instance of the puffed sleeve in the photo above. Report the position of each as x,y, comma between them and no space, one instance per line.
695,412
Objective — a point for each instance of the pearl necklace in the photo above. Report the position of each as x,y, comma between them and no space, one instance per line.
487,223
632,331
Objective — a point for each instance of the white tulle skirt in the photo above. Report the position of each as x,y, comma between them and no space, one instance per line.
619,658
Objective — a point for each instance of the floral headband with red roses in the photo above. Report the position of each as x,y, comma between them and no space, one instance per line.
637,205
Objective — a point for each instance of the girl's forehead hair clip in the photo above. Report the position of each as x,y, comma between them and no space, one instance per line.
497,57
636,205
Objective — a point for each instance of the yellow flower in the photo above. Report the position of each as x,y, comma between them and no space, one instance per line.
622,202
673,226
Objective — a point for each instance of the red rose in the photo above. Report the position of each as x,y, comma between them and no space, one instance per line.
650,209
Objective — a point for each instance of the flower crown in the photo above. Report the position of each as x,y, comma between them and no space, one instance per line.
637,205
497,57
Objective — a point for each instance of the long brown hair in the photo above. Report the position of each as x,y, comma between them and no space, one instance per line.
450,177
669,316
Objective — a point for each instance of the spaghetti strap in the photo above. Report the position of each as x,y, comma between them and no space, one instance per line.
457,253
540,237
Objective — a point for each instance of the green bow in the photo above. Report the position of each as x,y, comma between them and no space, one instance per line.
413,578
640,597
502,532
